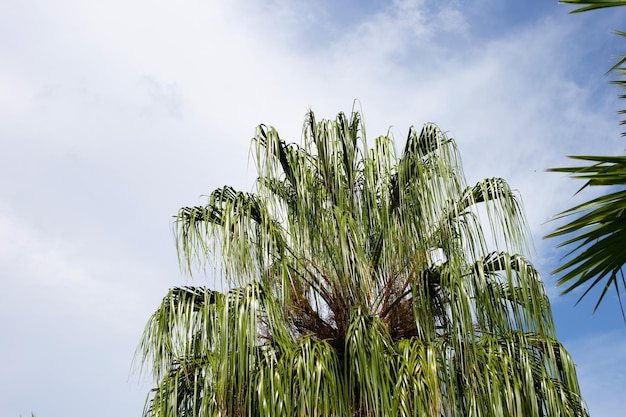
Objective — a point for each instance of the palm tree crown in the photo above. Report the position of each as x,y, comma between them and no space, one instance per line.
361,283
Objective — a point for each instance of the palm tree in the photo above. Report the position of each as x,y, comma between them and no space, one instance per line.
361,284
597,230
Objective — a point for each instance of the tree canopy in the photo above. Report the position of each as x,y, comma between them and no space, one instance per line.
362,281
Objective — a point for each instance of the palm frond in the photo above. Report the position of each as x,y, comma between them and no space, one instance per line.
597,231
596,234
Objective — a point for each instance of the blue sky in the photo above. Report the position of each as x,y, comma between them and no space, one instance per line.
114,114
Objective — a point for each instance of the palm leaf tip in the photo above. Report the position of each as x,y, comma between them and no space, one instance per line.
588,5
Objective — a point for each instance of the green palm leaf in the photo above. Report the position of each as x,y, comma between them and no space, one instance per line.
598,230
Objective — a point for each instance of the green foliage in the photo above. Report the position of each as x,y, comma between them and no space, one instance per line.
361,284
596,231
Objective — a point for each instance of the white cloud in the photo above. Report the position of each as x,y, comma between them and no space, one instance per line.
67,314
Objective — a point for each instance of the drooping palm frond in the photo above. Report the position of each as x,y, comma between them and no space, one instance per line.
362,284
597,233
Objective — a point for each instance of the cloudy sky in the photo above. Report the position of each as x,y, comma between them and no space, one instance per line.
114,114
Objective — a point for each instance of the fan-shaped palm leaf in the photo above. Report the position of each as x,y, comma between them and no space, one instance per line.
597,233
